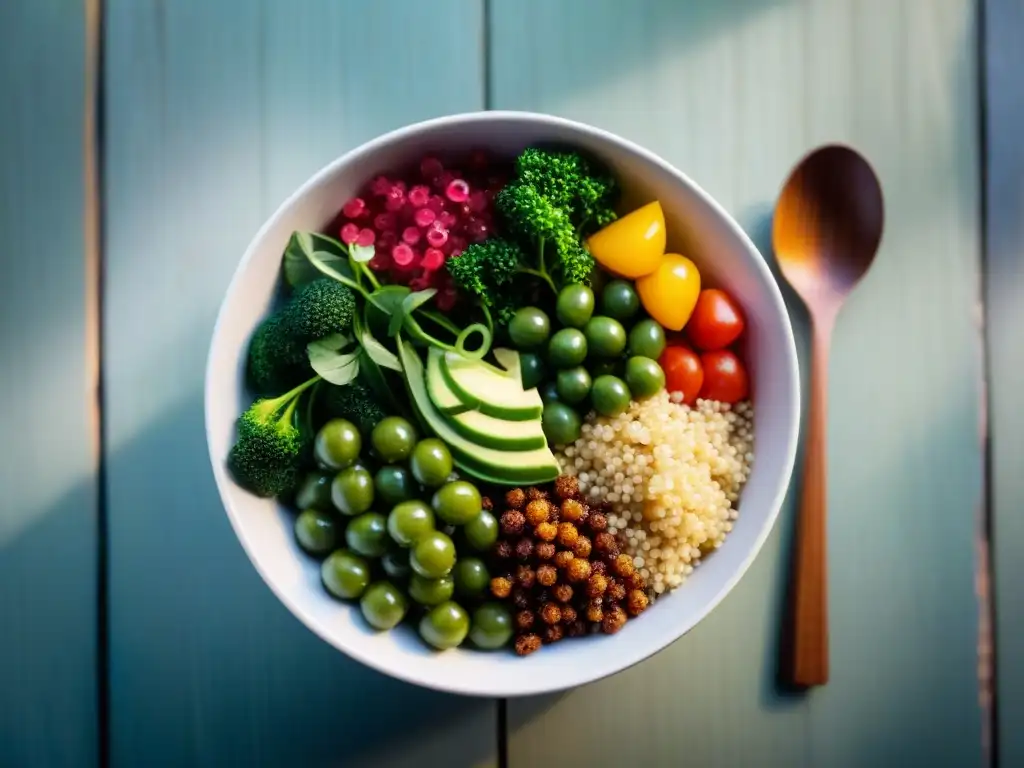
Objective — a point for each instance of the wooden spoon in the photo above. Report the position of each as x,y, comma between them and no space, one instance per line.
826,231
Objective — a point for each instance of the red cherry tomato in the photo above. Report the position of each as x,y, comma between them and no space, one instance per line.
716,321
683,371
725,378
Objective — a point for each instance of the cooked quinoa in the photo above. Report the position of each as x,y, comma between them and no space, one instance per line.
672,475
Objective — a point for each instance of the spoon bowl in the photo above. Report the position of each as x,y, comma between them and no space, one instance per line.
826,231
828,225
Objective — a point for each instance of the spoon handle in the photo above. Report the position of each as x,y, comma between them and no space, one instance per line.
809,600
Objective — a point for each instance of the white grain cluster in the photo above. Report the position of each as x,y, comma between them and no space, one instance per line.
672,474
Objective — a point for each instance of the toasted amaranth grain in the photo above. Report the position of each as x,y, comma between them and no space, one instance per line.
672,475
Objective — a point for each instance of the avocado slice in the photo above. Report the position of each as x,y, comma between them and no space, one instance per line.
485,389
442,395
487,464
498,433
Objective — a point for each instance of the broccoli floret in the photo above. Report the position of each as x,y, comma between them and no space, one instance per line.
267,453
277,351
486,269
556,199
354,402
319,309
538,219
277,361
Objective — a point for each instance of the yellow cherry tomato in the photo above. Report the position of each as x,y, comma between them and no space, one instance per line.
633,245
670,292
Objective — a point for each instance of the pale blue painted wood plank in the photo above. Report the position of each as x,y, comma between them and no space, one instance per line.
1004,288
48,524
734,93
217,111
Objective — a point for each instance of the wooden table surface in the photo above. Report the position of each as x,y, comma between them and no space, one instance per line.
133,630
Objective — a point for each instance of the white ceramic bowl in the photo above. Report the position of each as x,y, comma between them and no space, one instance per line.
697,226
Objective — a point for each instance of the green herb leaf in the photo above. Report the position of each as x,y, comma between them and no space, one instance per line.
397,319
376,351
333,365
299,266
361,253
418,299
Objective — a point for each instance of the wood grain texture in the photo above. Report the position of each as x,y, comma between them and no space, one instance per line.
1004,287
734,93
48,523
216,112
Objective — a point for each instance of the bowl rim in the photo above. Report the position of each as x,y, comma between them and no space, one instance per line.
455,684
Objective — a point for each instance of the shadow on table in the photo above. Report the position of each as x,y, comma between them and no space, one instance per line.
196,637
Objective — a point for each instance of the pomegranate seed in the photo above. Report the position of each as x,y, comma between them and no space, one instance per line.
366,237
381,186
478,201
400,183
433,258
395,198
418,196
476,230
441,182
437,235
350,233
457,191
447,219
431,168
387,239
424,217
446,299
411,235
436,203
380,262
456,245
354,208
385,222
402,255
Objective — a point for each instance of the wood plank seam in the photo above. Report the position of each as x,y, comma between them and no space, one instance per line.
92,139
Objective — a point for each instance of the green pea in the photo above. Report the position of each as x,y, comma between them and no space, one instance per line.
532,369
619,300
457,503
561,424
647,339
575,305
410,521
396,564
610,395
482,531
337,444
394,484
316,532
431,591
567,348
492,626
529,327
573,385
383,605
549,391
471,577
605,337
603,367
433,555
445,626
393,439
345,574
644,377
352,491
314,491
431,462
367,535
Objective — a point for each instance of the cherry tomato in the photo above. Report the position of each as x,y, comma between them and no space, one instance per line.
683,371
716,321
725,378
